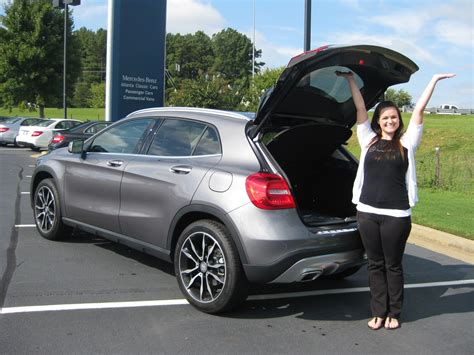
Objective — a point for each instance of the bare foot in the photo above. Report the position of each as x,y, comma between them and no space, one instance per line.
375,323
392,323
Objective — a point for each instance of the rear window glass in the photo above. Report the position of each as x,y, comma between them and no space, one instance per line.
329,84
44,123
11,120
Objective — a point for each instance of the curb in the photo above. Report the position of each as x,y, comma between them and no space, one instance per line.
442,242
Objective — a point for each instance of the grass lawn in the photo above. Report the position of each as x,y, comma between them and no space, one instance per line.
449,211
82,114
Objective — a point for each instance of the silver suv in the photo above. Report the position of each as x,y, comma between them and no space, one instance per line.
229,198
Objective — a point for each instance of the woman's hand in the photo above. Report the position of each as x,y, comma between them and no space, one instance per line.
443,76
347,74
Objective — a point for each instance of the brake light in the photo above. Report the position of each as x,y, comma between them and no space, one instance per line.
269,191
58,138
315,51
3,129
36,133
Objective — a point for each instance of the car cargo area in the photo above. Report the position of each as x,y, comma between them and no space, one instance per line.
321,172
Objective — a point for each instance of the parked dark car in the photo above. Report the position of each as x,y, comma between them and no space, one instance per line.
83,131
229,199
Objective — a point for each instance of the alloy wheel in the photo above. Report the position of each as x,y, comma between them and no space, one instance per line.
202,267
45,209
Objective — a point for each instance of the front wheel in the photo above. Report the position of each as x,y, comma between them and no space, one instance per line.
208,267
47,211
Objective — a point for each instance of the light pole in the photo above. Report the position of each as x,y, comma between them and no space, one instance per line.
307,25
64,4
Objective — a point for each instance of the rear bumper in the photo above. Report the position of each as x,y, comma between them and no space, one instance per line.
279,247
301,268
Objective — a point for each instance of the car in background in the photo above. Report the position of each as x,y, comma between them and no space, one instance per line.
10,128
38,136
231,200
83,131
3,118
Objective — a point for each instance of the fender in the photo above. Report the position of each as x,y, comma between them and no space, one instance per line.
210,210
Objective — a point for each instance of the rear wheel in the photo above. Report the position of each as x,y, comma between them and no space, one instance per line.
208,267
47,211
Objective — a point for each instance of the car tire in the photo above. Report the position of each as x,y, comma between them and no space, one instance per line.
208,267
47,212
346,273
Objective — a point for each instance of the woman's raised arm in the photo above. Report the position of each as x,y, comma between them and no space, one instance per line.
356,96
417,115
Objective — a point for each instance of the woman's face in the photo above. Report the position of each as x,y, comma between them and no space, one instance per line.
389,122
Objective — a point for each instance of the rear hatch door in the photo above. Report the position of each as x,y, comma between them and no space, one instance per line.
309,89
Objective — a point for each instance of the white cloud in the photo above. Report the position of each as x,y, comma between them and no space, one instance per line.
189,16
455,33
273,55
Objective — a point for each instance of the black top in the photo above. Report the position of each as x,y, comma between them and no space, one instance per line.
384,177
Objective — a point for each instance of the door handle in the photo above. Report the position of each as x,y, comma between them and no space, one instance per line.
181,169
115,163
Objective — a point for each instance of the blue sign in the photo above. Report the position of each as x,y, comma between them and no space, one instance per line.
135,56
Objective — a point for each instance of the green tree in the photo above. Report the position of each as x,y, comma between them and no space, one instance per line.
261,82
31,55
188,56
400,98
233,57
205,91
97,98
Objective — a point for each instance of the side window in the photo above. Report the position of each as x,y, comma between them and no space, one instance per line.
28,122
96,128
61,125
123,138
176,138
209,143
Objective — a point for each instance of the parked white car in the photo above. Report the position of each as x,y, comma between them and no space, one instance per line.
39,136
10,128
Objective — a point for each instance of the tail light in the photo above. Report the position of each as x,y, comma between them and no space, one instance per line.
58,138
3,129
269,191
36,133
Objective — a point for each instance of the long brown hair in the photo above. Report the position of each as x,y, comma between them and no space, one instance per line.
395,142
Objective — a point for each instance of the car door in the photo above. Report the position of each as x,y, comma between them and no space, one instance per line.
92,181
157,185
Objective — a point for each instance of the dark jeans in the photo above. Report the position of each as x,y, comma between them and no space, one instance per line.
384,239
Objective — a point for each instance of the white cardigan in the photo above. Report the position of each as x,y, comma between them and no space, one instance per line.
410,140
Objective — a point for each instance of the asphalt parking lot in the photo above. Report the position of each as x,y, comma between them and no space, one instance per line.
87,295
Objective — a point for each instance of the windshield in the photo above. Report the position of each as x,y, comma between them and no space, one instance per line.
329,84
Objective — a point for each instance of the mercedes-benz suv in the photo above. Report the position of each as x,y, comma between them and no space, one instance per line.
229,198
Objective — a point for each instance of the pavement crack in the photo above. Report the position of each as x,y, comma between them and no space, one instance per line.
11,250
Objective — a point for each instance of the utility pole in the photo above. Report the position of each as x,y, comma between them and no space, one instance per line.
64,4
307,25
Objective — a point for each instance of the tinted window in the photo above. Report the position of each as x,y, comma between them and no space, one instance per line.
209,143
44,123
176,138
329,84
30,122
96,128
123,138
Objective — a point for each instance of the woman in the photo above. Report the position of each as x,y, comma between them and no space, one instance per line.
384,191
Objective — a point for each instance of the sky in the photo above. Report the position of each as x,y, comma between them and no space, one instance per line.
438,35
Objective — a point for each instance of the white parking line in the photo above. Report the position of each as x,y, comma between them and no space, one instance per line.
175,302
32,166
25,192
25,225
28,176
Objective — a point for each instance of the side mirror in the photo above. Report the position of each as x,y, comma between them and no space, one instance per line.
76,147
